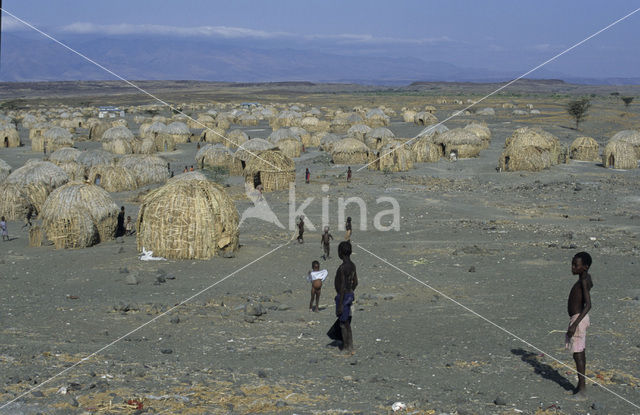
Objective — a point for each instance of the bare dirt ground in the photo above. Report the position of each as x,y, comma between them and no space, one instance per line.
497,243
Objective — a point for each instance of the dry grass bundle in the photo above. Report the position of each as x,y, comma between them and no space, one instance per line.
118,140
391,158
619,154
5,170
359,131
53,138
15,200
525,158
480,129
9,136
584,149
350,151
78,215
247,150
424,150
272,169
179,132
463,143
147,169
190,217
424,118
35,236
95,158
112,178
629,136
235,138
217,155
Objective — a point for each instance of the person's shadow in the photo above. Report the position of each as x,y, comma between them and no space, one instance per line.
543,369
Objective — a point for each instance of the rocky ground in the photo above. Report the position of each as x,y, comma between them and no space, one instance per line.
234,335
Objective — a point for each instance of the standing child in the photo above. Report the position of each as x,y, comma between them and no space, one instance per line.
316,278
347,227
345,283
3,229
300,229
128,227
326,243
578,306
307,176
348,174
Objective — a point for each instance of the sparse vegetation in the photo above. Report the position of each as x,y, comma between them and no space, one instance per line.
627,101
578,109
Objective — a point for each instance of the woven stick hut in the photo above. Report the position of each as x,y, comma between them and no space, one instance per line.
16,199
9,136
584,149
459,142
327,140
480,129
424,118
537,137
391,158
97,129
147,169
425,150
217,155
350,151
38,178
378,137
95,158
376,118
179,132
629,136
214,135
5,170
359,131
38,130
190,217
408,115
78,215
525,158
235,138
271,169
248,150
112,178
618,154
53,138
118,140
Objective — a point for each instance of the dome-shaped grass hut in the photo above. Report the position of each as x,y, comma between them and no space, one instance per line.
78,215
340,124
424,150
190,217
97,130
618,154
424,118
271,169
378,137
112,178
147,169
359,131
629,136
459,143
118,140
584,149
5,170
179,132
480,129
525,158
287,141
17,199
53,139
235,138
376,118
391,158
252,147
95,158
218,156
537,137
408,115
327,140
349,151
9,136
214,135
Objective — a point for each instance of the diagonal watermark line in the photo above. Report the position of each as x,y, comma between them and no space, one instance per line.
79,362
507,84
135,86
495,324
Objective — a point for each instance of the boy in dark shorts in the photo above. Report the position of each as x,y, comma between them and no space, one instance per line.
578,306
345,283
326,243
300,229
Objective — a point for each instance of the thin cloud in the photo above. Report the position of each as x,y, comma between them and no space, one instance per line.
231,32
9,24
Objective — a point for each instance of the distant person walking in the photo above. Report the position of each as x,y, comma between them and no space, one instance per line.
307,176
120,230
326,243
3,229
28,216
348,174
347,227
300,229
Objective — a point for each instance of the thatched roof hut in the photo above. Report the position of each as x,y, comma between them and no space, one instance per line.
65,154
424,118
327,140
5,170
460,142
537,137
391,158
350,151
432,129
235,138
190,217
39,172
152,130
304,135
408,115
272,169
340,124
53,138
425,150
378,137
629,136
252,147
17,199
97,130
179,132
286,118
359,131
78,215
313,124
247,120
287,141
214,135
619,154
147,169
480,129
203,121
118,140
95,158
525,158
584,149
112,178
38,129
217,155
376,118
9,136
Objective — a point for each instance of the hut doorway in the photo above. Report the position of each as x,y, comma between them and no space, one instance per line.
612,161
256,180
506,163
243,163
96,181
6,141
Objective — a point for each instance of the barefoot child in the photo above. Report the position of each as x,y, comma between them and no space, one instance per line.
345,283
316,277
578,307
3,229
326,243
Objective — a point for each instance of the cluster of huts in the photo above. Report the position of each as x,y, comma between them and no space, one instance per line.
189,216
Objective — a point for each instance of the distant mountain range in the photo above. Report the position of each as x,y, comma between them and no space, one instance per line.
26,58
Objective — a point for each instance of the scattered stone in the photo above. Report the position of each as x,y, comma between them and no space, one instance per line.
617,379
287,291
499,401
597,406
229,254
313,360
262,374
124,270
250,319
283,307
166,351
280,404
37,394
254,309
117,400
131,279
472,269
161,279
175,320
596,244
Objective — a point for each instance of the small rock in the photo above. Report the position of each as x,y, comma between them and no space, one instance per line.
499,401
472,269
617,379
254,309
175,320
72,401
229,254
347,378
166,351
597,406
37,394
161,279
596,244
283,307
124,270
280,404
313,360
250,319
131,279
287,291
262,374
117,400
73,386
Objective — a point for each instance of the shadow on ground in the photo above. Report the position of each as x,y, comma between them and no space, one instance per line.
542,369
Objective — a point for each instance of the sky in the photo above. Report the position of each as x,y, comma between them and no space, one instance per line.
496,35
